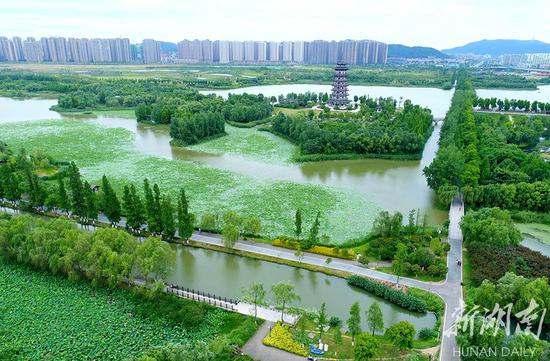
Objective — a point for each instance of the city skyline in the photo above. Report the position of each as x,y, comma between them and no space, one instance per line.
427,23
120,50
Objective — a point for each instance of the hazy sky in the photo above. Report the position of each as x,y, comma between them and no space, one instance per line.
437,23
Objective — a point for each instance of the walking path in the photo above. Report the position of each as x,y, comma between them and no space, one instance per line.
258,351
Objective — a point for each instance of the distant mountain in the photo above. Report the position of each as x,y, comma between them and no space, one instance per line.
403,51
501,46
167,47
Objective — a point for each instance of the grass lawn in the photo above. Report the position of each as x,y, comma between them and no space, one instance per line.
535,230
344,350
98,151
249,143
46,317
421,277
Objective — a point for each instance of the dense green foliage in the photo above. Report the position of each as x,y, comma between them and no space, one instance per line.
515,290
368,131
401,335
489,226
365,347
489,79
511,105
399,298
483,154
106,256
189,129
423,252
492,262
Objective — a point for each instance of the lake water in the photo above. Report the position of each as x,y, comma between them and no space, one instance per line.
536,245
225,275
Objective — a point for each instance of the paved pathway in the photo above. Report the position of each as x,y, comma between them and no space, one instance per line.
258,351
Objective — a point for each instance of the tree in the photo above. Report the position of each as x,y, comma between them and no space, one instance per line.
425,257
134,208
62,197
337,336
298,223
255,295
401,335
354,321
209,221
446,168
322,319
252,225
110,202
400,260
365,347
313,238
152,223
167,218
77,191
185,219
90,203
230,235
155,259
284,295
387,225
375,319
489,226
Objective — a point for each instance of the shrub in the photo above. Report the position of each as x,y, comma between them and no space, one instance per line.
401,335
399,298
334,321
281,338
322,250
427,333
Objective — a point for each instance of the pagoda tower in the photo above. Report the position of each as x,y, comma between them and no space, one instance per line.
339,96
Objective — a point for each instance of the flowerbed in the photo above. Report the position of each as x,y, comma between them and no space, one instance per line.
281,338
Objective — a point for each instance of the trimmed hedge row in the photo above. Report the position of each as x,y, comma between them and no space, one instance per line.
399,298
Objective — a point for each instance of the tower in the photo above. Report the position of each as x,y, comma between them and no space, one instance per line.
339,96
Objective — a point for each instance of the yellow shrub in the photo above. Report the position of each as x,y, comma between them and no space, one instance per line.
281,338
322,250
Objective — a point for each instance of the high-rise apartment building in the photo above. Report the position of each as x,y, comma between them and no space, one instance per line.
273,52
249,51
286,50
151,51
32,51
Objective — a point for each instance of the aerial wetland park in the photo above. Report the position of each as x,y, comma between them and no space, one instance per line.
319,211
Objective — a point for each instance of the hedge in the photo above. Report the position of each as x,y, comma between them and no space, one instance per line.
399,298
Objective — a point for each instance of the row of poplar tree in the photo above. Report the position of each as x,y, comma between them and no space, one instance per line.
153,212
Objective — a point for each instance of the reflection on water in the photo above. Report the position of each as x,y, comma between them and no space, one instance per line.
536,245
225,275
